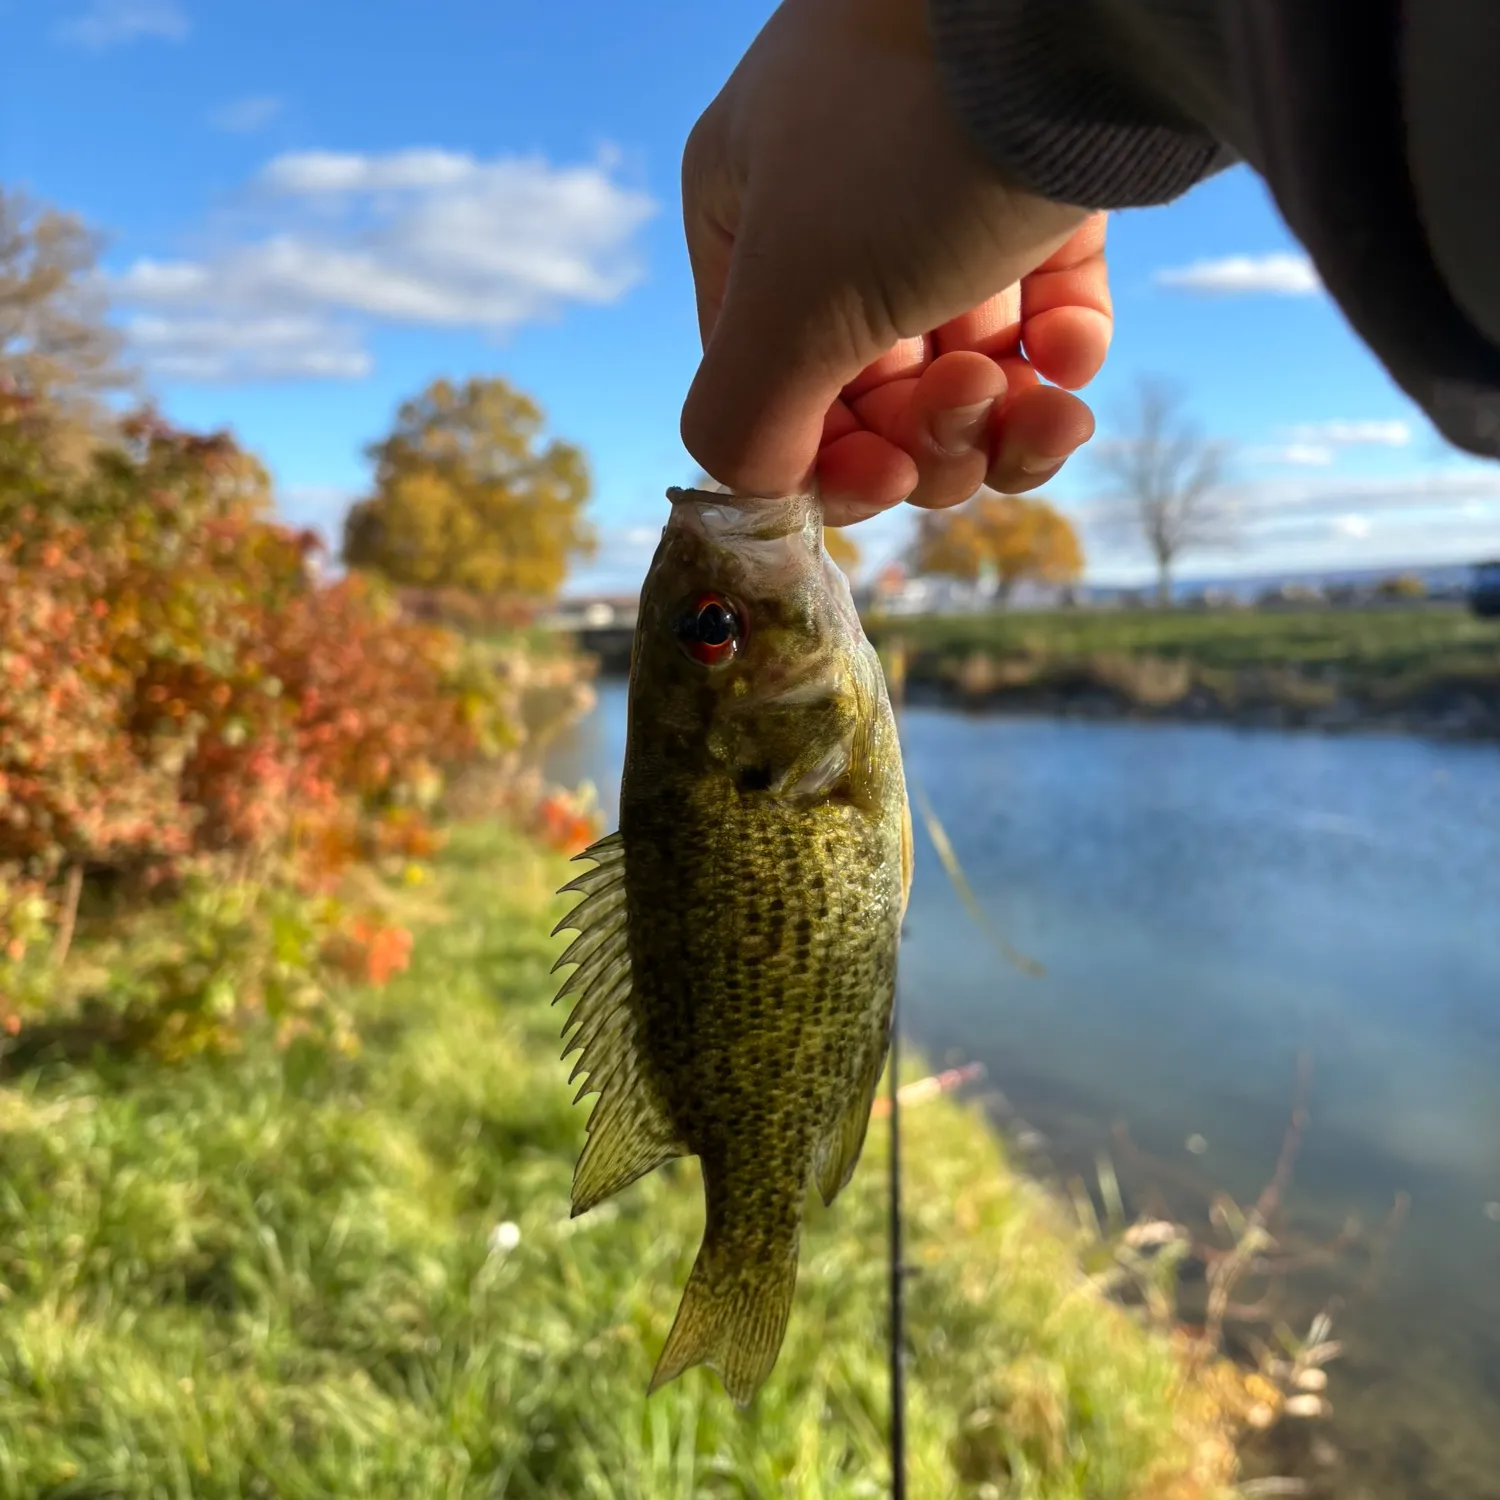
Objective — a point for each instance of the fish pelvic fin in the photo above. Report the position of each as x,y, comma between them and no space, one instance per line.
839,1152
732,1318
629,1133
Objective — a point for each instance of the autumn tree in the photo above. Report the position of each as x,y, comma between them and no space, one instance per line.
55,340
57,347
1014,537
1169,478
842,548
470,495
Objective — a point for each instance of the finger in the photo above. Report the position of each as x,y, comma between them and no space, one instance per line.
794,328
909,357
1066,312
1068,345
839,422
1019,378
993,328
861,475
1034,436
942,421
1083,244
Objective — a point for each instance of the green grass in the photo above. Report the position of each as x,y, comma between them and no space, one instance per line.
272,1275
1383,643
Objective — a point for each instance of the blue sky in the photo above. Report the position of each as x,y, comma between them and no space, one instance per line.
313,210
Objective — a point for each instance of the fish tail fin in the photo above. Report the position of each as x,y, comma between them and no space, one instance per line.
732,1318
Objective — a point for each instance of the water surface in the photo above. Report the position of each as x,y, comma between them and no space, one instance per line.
1208,904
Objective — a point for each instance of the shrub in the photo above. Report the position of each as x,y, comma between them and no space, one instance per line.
178,690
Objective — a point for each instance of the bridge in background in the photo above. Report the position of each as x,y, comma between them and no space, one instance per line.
603,626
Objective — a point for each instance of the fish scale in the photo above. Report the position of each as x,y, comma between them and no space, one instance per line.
738,937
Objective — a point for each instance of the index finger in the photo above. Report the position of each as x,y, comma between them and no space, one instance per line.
1066,312
992,328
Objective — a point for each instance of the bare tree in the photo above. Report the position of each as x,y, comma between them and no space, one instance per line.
1171,478
56,342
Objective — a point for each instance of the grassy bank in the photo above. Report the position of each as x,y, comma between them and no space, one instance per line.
297,1274
1420,667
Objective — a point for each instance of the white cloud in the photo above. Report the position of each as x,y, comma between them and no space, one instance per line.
212,350
1341,434
244,116
1318,444
1304,455
108,23
1278,274
312,173
422,238
1353,526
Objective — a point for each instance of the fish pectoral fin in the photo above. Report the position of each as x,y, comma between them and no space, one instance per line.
814,776
840,1150
628,1132
732,1318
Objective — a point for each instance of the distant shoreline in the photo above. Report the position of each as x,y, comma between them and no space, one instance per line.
1459,719
1431,671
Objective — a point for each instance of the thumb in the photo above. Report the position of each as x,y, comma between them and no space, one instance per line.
783,337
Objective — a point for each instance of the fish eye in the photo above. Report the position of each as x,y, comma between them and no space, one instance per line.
710,629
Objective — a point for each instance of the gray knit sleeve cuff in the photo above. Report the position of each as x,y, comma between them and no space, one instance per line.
1063,103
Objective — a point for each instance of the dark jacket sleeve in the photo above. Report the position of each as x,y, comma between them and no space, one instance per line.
1375,123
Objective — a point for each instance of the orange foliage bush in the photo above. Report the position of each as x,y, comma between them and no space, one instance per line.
176,682
370,951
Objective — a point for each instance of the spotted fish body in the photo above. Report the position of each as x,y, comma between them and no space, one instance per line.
737,937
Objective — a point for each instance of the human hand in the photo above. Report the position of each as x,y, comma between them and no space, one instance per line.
878,307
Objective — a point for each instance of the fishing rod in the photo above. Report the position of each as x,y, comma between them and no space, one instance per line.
895,670
897,1275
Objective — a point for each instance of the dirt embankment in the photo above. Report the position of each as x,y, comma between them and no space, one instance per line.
1457,703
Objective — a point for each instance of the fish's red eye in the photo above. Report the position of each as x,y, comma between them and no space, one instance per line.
710,629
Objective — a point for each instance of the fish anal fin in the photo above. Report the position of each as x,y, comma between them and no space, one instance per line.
732,1318
841,1147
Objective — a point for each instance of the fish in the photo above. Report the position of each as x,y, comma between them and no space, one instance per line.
737,935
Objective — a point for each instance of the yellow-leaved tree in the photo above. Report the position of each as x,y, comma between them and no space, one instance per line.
469,495
1018,537
842,548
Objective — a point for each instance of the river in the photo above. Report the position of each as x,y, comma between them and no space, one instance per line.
1207,905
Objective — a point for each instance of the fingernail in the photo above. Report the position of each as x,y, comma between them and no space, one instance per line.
1032,465
961,430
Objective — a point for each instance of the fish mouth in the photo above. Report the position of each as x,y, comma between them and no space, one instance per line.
726,517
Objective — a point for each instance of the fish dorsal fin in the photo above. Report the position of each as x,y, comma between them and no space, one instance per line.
840,1149
629,1133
